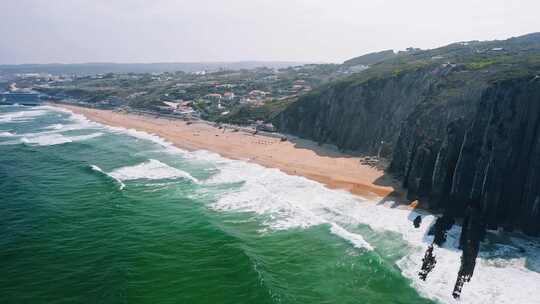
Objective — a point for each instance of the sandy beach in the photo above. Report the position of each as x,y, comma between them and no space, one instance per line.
324,164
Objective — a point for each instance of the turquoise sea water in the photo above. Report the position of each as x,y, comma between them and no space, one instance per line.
90,214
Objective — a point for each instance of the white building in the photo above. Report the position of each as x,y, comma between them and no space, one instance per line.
228,96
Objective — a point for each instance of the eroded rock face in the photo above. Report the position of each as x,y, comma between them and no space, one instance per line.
445,165
498,161
451,135
358,117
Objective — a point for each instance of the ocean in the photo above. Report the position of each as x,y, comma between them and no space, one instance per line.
96,214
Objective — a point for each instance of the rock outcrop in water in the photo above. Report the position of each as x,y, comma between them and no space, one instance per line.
417,221
428,263
469,242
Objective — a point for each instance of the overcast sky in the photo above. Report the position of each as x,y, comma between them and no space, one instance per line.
67,31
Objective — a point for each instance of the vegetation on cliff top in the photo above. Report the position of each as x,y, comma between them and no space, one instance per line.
517,56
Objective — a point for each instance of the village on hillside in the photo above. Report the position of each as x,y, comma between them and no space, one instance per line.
245,96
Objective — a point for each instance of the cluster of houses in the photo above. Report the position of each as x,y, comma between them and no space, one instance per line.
181,107
300,86
232,94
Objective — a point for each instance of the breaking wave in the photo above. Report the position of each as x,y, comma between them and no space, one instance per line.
21,116
54,127
51,139
99,170
6,134
151,169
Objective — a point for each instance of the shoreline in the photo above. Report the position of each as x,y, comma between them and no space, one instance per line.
506,256
324,164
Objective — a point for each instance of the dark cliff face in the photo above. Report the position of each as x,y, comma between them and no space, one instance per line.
449,141
499,158
358,117
492,156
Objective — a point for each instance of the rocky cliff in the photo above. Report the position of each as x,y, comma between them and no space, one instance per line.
491,154
458,123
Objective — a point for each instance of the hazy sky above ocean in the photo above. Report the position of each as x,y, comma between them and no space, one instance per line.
66,31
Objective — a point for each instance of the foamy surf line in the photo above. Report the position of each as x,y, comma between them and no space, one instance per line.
48,139
355,239
21,116
6,134
126,131
52,134
56,139
151,170
295,202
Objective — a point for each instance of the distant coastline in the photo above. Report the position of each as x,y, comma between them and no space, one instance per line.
93,68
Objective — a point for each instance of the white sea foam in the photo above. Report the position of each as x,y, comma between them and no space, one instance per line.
54,127
15,105
61,128
45,140
286,201
98,169
21,116
53,135
168,146
151,169
83,123
78,121
84,137
51,139
355,239
6,134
